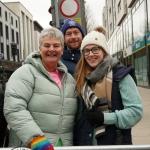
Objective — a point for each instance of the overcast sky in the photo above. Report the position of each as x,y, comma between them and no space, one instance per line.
39,9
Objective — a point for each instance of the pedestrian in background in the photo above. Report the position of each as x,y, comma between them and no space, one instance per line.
3,123
110,99
40,98
73,35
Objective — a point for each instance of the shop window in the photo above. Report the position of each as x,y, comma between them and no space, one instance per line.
140,62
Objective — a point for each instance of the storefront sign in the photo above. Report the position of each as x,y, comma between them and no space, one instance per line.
127,52
138,45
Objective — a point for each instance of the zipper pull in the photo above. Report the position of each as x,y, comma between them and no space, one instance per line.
62,111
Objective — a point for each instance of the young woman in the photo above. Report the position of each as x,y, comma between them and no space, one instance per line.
110,100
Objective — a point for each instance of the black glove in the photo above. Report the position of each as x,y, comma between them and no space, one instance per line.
95,117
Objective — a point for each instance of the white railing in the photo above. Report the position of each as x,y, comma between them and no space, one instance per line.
120,147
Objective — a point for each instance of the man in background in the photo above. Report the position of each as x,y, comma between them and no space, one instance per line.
73,35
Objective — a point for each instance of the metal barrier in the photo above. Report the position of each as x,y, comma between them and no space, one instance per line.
120,147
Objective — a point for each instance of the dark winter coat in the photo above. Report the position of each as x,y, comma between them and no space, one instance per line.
70,59
84,130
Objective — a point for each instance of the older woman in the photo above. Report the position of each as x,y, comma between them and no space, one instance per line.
40,98
111,102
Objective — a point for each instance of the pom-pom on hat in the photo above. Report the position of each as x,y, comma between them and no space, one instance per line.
96,36
71,23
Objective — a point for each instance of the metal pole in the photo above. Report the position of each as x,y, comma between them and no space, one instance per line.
83,15
53,13
56,14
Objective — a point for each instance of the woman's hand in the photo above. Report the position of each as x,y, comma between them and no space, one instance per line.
41,143
95,117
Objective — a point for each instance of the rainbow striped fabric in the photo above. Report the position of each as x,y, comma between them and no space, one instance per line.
41,143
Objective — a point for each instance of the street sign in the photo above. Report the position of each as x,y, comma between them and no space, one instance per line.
73,9
1,55
69,8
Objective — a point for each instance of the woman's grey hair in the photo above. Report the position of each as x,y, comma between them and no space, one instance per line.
51,32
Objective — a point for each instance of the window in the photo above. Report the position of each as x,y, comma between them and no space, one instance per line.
114,17
12,33
14,58
1,29
6,15
17,38
18,55
0,11
141,1
119,6
105,23
7,33
16,24
2,48
8,55
111,26
137,5
109,10
139,27
11,20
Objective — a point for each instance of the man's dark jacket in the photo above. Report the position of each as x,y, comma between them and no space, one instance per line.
70,59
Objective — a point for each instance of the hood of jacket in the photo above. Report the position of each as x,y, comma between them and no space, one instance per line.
35,59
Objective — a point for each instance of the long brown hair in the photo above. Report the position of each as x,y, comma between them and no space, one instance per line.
82,69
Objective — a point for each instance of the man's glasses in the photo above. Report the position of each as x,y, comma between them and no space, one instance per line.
94,50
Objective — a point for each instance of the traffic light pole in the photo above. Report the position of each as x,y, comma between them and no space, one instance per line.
55,15
83,15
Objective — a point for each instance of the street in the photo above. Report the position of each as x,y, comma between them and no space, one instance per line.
141,131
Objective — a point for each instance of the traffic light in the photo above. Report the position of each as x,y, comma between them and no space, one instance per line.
52,23
53,10
50,10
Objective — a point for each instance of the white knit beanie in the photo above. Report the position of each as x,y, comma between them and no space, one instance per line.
97,36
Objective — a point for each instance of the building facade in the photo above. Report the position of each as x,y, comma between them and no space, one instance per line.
129,35
26,27
9,43
37,31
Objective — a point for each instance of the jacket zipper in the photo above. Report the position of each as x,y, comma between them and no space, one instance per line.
62,109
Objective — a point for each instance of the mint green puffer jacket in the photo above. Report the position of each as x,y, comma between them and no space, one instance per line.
34,105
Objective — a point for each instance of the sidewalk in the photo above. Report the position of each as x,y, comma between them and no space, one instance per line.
141,131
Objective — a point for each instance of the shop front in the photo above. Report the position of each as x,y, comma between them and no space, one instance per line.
148,55
140,62
127,57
